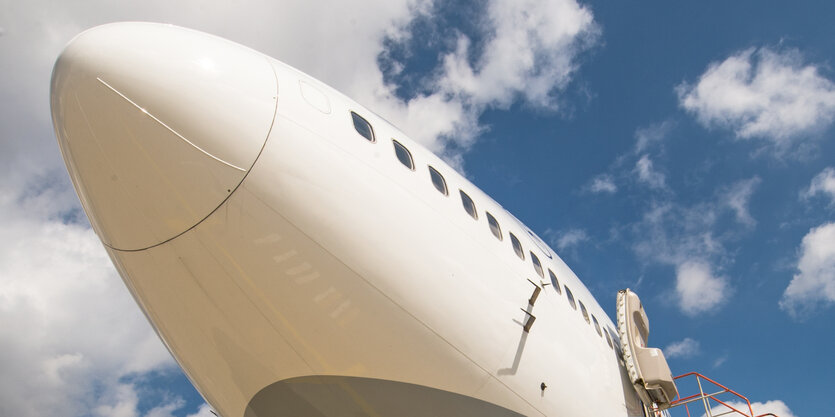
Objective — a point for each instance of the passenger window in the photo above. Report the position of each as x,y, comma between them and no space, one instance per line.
403,155
585,312
608,339
494,225
537,265
596,325
517,247
554,282
570,297
363,127
468,204
438,181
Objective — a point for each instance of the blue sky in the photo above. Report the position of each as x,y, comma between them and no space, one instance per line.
684,150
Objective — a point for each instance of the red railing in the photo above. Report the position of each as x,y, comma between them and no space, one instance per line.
707,398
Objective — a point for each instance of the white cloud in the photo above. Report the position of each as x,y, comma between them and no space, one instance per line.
737,197
567,239
648,175
823,183
775,407
813,286
530,55
762,93
603,184
698,289
652,134
70,326
203,411
686,348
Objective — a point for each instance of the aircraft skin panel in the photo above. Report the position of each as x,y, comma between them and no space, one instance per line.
332,268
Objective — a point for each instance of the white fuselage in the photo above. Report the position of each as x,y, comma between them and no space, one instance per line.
316,274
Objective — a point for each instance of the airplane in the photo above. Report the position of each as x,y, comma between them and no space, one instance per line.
299,255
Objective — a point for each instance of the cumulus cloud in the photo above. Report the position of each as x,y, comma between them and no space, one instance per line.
775,407
530,55
602,184
762,93
823,183
648,175
686,348
698,289
813,286
70,328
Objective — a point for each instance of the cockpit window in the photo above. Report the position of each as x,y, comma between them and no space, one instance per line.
554,281
468,204
494,225
438,181
363,127
596,325
517,246
570,297
537,265
403,155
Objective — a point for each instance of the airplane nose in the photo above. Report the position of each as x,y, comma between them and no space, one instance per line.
157,126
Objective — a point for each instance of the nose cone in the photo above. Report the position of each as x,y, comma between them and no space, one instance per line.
158,125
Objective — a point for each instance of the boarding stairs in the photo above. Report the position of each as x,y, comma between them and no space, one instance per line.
712,400
650,374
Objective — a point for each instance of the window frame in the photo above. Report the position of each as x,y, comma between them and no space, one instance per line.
464,199
596,325
585,311
571,300
397,145
537,265
555,282
517,246
434,173
495,227
354,117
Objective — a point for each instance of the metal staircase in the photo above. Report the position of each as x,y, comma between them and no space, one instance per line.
716,400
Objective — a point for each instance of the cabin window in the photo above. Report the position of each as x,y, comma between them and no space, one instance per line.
585,312
570,297
608,339
403,155
438,181
494,225
517,246
468,204
537,265
596,325
554,282
363,127
615,338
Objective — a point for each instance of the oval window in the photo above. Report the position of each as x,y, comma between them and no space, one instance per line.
363,127
494,225
517,246
438,181
468,204
403,155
